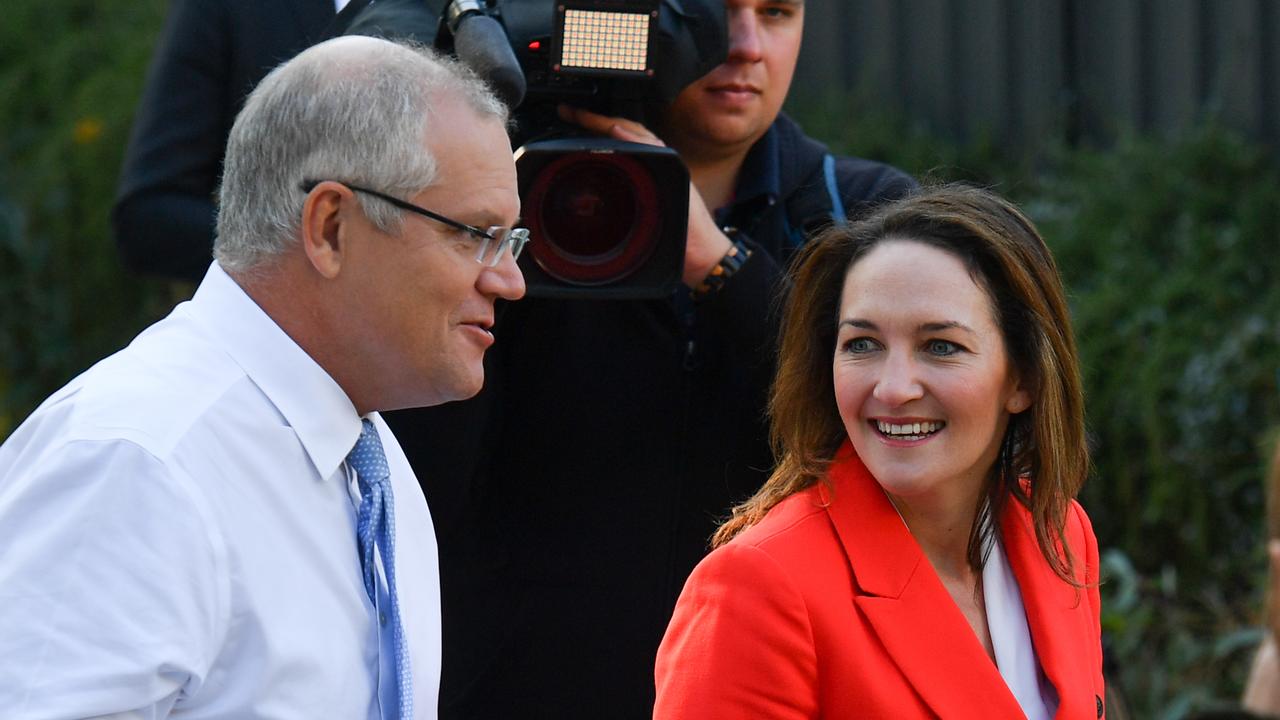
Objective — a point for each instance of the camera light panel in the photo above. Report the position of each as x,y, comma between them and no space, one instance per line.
605,40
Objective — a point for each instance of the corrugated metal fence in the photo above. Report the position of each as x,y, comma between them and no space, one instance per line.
1027,70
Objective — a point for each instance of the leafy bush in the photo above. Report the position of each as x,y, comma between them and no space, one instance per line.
1170,251
1168,248
70,75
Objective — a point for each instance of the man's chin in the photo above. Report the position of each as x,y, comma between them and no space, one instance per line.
471,387
734,133
438,391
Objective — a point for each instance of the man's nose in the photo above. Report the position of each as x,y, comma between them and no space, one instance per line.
504,280
744,35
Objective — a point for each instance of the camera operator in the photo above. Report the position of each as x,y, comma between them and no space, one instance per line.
615,433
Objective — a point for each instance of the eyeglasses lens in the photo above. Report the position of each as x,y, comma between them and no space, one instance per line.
503,238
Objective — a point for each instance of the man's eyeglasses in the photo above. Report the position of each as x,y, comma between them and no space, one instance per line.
492,241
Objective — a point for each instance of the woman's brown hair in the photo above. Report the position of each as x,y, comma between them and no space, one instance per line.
1005,255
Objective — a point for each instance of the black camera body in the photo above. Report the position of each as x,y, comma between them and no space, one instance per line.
607,218
616,57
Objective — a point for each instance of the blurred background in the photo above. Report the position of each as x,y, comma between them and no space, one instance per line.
1139,134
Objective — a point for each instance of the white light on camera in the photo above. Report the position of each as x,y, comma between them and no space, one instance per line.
605,40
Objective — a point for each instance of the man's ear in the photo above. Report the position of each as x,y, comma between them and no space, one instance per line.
322,221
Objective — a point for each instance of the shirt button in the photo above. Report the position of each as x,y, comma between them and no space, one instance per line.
382,618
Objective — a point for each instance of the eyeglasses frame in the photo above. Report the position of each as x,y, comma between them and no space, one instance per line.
514,238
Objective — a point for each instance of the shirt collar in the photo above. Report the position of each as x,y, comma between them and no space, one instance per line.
312,403
759,184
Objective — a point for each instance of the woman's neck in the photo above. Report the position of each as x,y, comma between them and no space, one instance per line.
942,529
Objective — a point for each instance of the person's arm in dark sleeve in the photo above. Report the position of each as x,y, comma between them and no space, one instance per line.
163,219
746,307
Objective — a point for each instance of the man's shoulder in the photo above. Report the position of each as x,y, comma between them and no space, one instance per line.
864,183
860,182
153,393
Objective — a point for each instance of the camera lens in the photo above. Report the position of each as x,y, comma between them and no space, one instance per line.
594,217
590,209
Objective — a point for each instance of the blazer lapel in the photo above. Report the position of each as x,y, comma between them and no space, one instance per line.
1057,615
905,603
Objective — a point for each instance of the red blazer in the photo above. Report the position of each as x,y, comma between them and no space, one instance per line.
828,608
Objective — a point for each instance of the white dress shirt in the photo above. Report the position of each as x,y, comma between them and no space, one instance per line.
178,535
1011,638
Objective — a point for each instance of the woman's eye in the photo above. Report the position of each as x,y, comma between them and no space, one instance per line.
942,347
860,345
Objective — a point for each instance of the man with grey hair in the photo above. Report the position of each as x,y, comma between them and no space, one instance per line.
215,522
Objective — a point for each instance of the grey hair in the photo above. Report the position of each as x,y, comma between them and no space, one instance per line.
352,109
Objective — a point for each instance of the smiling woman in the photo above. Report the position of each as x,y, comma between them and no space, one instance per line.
922,380
918,551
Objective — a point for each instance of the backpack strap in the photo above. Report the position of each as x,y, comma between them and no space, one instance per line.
833,191
815,203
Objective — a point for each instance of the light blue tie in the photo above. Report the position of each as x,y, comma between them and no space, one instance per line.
376,526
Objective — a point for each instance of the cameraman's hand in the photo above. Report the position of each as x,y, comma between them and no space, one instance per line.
705,243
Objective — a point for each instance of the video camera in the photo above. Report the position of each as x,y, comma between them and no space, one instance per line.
608,217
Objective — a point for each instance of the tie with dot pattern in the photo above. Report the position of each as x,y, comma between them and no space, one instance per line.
376,526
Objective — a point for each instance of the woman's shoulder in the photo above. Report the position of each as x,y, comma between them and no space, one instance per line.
1019,529
1077,525
775,561
793,519
1077,528
1078,519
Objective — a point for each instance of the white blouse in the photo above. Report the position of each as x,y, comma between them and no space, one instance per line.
1015,655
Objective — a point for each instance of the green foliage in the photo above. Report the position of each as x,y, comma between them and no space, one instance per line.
70,75
1170,251
871,131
